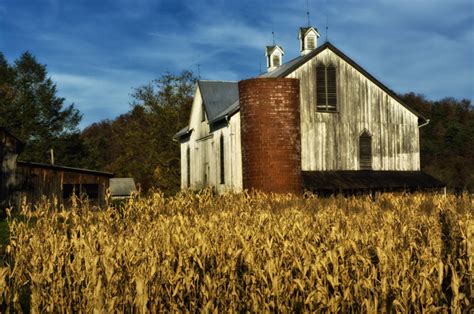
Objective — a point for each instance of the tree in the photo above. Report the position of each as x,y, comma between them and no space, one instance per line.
167,100
140,144
447,141
31,109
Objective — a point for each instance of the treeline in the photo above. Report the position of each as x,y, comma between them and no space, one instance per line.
139,143
447,142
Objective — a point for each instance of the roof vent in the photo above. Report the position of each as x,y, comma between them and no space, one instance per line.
274,56
308,37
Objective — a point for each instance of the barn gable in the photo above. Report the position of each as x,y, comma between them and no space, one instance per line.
293,65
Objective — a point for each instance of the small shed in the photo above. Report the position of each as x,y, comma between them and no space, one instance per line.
38,180
121,188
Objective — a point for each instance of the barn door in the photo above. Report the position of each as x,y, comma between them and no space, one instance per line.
365,151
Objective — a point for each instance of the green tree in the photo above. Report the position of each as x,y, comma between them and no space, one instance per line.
167,101
140,144
30,108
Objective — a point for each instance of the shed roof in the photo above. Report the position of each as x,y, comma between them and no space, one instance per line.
30,164
366,180
122,186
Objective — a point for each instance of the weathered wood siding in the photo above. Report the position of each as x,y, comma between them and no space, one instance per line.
204,148
330,140
37,182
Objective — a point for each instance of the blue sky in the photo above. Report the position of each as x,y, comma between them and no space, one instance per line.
98,50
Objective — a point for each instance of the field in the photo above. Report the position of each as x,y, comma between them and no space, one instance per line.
243,252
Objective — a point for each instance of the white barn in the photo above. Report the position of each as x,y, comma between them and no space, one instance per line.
318,122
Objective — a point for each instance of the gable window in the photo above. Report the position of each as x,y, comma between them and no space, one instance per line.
188,167
365,151
222,160
326,91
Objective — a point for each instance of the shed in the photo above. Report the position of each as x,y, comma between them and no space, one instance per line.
122,187
38,180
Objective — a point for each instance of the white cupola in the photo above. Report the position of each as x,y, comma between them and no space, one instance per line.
274,56
308,37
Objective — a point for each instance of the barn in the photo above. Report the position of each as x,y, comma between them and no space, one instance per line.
318,122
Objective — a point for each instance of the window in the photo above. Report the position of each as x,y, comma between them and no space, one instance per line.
326,91
69,190
310,42
276,60
91,190
188,167
365,151
222,160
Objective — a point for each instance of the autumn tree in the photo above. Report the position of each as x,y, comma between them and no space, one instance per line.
140,144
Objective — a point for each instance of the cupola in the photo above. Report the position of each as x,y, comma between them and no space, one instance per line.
274,56
308,37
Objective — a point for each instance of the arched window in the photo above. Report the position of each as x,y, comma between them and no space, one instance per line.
365,151
222,160
326,89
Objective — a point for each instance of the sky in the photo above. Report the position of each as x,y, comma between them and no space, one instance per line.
98,51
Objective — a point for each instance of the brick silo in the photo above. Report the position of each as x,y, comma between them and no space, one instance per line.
270,130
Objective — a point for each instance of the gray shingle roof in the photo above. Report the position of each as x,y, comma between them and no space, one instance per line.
227,112
281,69
184,131
218,96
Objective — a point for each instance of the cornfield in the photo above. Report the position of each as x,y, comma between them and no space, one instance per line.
243,252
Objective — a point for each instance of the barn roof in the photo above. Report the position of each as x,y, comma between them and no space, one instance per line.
217,96
221,99
294,64
30,164
367,180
